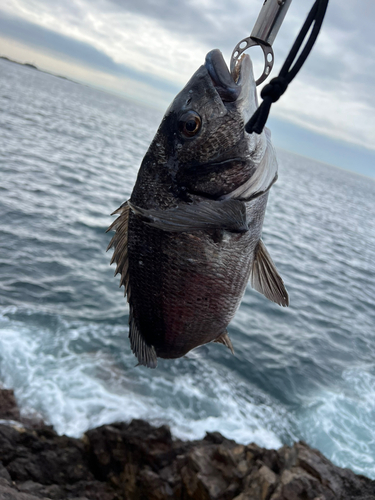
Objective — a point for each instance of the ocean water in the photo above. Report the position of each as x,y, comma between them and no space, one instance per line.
69,156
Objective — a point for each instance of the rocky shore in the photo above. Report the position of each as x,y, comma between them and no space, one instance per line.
135,460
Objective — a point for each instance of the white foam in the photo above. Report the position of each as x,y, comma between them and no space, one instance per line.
340,421
82,375
75,390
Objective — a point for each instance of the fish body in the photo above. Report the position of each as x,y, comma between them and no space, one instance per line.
189,238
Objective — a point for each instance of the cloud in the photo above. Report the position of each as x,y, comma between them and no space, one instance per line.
118,83
126,37
69,49
162,42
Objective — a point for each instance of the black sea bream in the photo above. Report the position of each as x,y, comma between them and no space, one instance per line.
188,240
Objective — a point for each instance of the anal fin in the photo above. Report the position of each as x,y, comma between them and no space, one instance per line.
225,340
265,279
145,353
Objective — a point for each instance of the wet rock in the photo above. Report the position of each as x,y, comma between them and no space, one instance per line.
200,476
137,461
54,492
296,484
8,406
42,456
9,493
4,474
331,477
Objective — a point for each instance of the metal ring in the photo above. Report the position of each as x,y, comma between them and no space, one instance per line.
246,44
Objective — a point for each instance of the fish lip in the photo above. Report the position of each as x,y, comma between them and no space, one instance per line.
223,81
237,90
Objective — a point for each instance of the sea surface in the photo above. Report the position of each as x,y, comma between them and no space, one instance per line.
69,156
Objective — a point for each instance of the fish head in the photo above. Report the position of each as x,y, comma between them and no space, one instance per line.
202,140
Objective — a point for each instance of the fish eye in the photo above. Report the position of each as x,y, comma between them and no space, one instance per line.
190,124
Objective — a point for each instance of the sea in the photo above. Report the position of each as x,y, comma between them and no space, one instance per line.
69,156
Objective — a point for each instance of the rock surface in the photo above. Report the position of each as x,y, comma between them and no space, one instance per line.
126,461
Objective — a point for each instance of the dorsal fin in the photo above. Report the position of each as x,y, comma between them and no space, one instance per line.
265,279
120,244
225,340
146,354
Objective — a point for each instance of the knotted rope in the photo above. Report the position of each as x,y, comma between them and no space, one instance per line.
277,86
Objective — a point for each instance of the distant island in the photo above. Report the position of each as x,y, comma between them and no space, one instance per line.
32,66
29,65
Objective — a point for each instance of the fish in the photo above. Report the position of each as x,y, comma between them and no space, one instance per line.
188,240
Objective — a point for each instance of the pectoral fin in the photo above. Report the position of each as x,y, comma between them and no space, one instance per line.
196,216
265,279
225,340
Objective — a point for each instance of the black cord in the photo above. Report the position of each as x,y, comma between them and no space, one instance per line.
277,86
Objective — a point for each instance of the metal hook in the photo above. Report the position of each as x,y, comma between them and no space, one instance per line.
264,33
246,43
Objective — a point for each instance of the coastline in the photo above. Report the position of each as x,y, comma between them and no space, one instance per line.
124,461
32,66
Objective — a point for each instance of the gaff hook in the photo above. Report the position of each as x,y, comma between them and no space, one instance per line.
264,33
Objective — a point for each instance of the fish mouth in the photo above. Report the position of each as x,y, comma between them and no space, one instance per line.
227,85
237,88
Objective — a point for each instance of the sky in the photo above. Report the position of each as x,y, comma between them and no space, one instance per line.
147,50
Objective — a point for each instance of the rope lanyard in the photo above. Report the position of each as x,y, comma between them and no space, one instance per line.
277,86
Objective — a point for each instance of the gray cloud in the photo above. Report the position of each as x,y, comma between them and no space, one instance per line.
346,55
163,41
36,35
